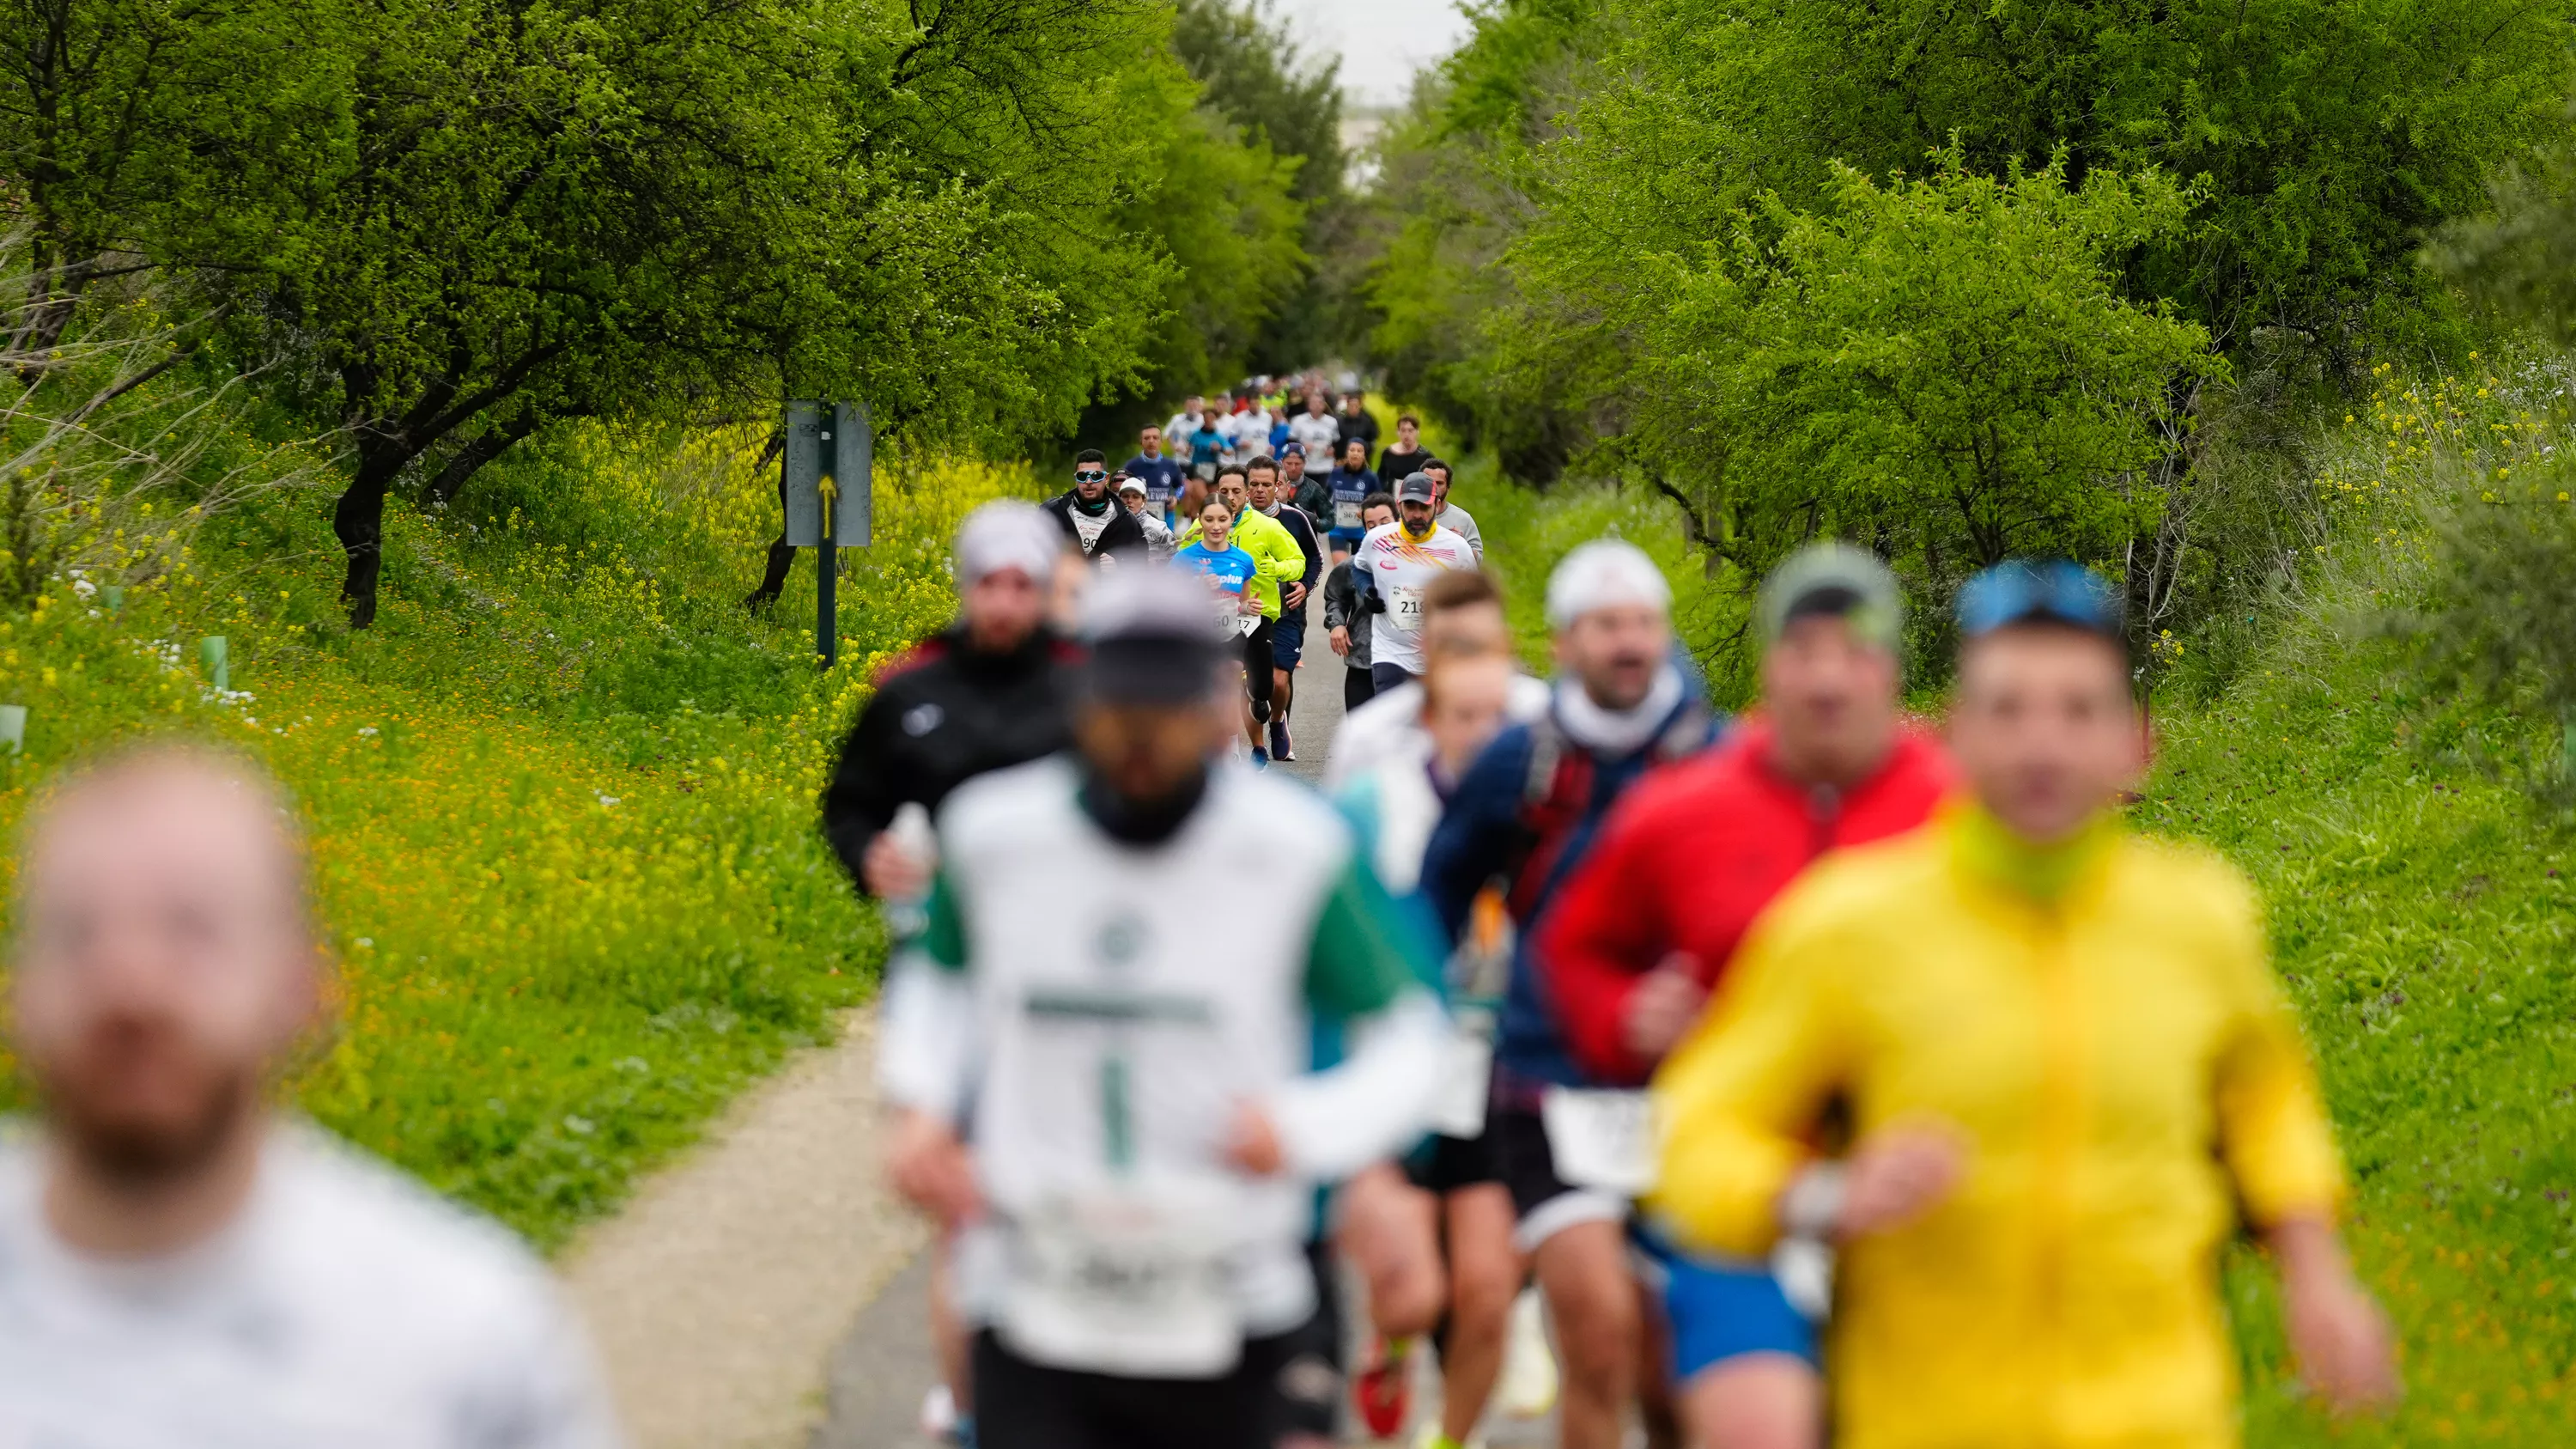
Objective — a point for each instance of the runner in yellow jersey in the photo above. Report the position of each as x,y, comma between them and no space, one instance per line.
2067,1067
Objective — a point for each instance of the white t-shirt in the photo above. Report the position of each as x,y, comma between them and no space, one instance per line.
1400,569
1320,436
346,1309
1389,728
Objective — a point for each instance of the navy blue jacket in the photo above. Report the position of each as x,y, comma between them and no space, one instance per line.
1488,831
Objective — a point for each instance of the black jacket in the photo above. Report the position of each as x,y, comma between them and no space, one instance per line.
1123,537
1342,611
1302,528
942,714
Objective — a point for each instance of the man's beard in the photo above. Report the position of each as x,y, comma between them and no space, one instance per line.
144,1151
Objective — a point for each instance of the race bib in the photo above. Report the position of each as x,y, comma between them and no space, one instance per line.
1128,1282
1089,529
1466,1080
1346,515
1244,624
1206,471
1404,605
1601,1139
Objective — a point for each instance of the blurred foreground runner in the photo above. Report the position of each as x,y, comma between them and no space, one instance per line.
177,1266
2067,1065
1683,866
984,693
1120,1119
1527,812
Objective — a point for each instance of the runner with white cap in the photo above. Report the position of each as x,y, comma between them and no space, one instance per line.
1527,810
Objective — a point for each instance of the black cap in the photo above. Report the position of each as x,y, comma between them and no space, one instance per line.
1416,488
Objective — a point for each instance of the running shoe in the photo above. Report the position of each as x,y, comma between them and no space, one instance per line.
1528,1388
1383,1392
1281,747
1260,758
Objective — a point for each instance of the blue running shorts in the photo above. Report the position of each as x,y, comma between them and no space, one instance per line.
1724,1310
1288,641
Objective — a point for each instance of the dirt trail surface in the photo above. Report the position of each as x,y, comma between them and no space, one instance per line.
717,1295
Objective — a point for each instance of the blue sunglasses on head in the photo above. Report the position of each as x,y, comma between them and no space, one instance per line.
2057,591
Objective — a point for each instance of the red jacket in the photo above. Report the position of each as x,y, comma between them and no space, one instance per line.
1687,861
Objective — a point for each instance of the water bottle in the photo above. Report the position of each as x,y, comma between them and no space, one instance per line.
911,834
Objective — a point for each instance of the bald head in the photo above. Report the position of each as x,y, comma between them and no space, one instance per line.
164,961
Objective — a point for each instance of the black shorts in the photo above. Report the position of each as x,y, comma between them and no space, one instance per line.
1541,1200
1024,1405
1445,1164
1306,1391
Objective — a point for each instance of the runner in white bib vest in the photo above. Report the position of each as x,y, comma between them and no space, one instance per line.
1146,1135
1396,563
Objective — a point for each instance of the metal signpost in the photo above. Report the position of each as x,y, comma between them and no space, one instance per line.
831,498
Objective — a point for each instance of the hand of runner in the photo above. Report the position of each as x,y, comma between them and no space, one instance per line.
894,873
2345,1350
1898,1174
1252,1143
1292,596
1663,1007
933,1170
1341,639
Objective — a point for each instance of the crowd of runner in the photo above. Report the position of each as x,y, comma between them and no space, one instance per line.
1824,1078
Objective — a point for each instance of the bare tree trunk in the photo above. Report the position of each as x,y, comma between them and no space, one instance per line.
773,573
466,461
358,521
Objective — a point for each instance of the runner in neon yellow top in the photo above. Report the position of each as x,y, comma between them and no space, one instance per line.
1269,542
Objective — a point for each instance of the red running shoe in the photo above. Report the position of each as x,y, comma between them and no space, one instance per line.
1383,1392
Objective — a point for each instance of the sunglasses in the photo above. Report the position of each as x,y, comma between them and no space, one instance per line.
2057,591
1089,475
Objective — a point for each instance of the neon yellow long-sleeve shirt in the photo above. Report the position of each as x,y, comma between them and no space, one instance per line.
2126,1069
1272,547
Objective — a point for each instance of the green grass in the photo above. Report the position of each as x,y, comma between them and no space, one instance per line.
561,796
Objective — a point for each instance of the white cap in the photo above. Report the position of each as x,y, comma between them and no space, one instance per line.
1007,535
1601,574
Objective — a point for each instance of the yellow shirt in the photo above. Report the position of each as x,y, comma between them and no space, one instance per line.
2126,1068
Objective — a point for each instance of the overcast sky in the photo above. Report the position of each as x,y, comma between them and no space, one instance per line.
1381,42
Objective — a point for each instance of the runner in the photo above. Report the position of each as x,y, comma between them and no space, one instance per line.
1307,492
1092,518
1527,812
1350,485
2067,1067
177,1264
1210,449
1280,562
1316,431
1355,423
1462,613
1136,498
1465,1213
1349,622
1145,1135
1647,925
1177,430
985,693
1405,457
1393,566
1450,516
1162,474
1213,554
1288,641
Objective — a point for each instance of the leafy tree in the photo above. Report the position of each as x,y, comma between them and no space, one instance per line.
2323,137
673,207
1940,367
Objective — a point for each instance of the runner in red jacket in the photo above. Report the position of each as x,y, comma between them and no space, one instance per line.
1644,929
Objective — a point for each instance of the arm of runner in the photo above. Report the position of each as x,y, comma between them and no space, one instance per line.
1477,833
1365,966
1738,1095
1601,938
2272,1125
861,800
926,1028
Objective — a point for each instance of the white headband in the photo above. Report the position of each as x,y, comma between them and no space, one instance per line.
1007,535
1601,574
